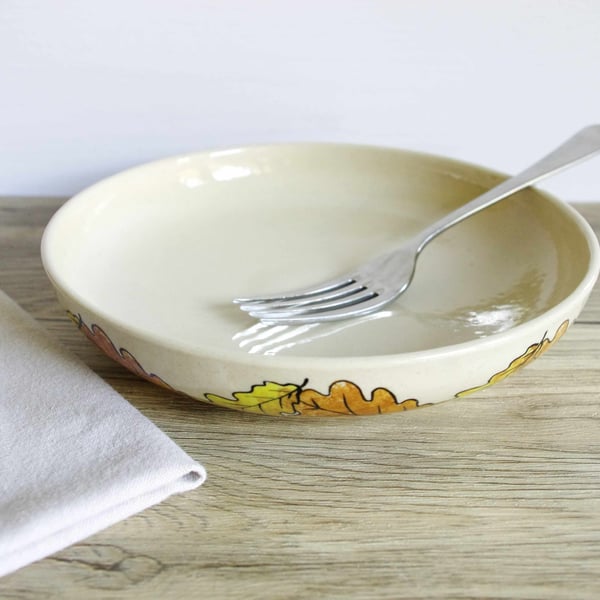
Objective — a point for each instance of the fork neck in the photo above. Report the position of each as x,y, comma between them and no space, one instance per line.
505,189
581,146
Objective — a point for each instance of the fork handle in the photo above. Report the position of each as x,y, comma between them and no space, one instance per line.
581,146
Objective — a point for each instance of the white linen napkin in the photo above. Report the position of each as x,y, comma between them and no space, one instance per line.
75,456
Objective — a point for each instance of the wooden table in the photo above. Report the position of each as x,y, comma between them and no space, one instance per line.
492,496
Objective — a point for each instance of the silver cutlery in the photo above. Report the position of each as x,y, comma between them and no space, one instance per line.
376,283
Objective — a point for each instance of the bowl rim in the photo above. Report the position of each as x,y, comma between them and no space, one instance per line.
106,320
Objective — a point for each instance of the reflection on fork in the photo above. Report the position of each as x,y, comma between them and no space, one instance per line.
270,339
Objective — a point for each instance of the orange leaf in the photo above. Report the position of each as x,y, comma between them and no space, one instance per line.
346,398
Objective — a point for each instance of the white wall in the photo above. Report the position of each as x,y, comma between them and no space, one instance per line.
89,88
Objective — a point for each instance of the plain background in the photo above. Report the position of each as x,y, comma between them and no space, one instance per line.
90,88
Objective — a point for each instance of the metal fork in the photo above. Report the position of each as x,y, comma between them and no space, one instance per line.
378,282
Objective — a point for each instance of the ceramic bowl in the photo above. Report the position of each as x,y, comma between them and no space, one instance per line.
147,263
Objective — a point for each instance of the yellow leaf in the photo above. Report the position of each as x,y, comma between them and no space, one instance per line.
342,398
268,398
528,356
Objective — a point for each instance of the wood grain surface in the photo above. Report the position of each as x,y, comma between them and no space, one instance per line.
493,496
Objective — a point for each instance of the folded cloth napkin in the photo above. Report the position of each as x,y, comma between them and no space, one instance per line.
75,456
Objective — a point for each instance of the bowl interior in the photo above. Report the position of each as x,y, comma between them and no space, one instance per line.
165,247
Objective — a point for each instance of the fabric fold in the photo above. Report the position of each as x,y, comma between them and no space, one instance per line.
75,456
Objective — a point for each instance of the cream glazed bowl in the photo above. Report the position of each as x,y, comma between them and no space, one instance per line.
147,263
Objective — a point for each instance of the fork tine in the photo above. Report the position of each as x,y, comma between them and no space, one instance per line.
305,301
326,286
316,308
357,309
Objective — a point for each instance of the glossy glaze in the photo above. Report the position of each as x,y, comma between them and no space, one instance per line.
155,255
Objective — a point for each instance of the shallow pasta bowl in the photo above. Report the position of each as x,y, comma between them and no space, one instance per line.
147,263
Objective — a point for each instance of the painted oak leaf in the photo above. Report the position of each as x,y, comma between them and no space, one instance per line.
97,335
524,359
346,398
343,398
269,398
